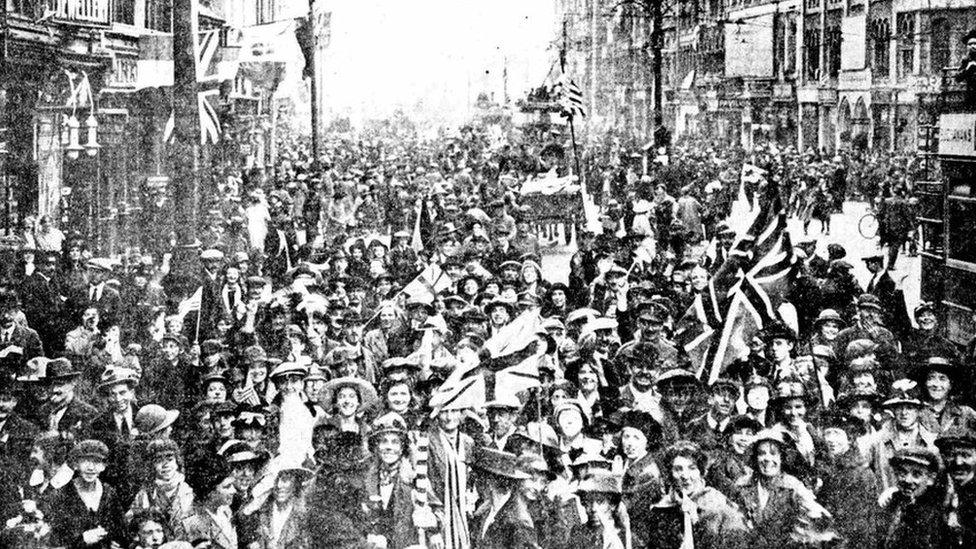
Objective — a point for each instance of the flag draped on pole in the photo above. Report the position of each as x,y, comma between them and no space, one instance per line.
745,293
510,363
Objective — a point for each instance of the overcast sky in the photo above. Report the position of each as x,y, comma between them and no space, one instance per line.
388,53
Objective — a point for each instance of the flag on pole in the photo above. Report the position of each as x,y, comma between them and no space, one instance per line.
570,98
190,304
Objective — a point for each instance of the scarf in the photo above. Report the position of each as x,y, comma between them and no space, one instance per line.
455,491
388,473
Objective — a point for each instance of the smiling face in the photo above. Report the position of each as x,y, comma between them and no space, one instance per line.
389,448
120,396
913,479
938,385
927,320
398,398
906,416
165,467
769,459
587,378
347,401
88,469
960,463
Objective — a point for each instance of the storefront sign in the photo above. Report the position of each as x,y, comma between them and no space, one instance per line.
957,135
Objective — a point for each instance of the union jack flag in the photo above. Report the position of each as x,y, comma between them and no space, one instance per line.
744,294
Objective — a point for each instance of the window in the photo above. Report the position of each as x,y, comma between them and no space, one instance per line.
906,44
961,221
940,48
880,58
811,47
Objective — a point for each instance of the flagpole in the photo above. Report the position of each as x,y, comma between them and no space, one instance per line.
196,336
572,134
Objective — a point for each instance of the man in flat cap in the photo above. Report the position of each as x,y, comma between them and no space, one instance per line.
914,515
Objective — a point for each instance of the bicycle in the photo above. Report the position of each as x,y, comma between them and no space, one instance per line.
868,225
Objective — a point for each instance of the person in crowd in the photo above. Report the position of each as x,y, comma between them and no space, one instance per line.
211,520
164,488
847,486
957,448
86,513
913,511
775,502
941,379
691,512
904,431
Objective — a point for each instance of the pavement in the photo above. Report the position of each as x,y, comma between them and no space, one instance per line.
844,231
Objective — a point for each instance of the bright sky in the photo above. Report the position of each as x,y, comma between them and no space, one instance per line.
390,53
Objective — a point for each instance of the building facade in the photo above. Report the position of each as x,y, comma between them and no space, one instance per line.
85,99
818,75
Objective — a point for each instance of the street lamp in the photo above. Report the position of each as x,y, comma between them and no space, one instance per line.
92,146
73,149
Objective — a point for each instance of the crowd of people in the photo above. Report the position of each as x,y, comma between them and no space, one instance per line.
365,351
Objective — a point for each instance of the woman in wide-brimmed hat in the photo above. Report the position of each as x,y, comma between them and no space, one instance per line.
600,494
347,399
774,501
940,379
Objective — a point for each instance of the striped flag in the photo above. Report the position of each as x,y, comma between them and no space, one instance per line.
192,303
570,98
743,295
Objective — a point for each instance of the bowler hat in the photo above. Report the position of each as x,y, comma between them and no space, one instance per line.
828,315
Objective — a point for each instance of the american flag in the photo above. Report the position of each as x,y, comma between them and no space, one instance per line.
570,98
744,294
